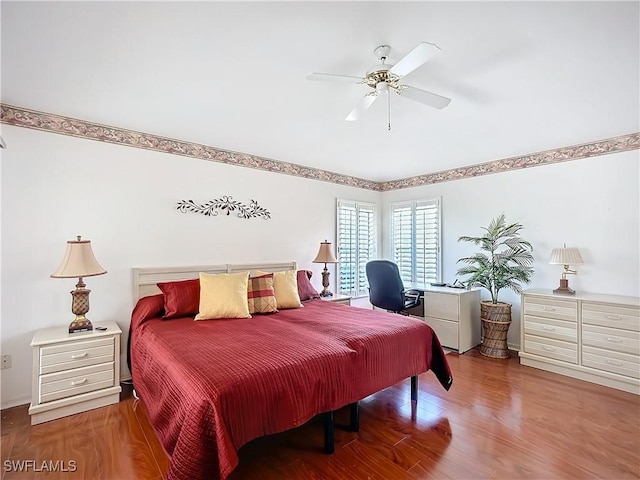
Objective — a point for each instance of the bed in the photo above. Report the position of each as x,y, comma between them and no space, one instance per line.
210,387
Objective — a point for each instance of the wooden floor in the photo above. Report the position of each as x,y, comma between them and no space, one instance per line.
499,420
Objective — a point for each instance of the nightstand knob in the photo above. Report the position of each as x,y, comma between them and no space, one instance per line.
79,355
78,382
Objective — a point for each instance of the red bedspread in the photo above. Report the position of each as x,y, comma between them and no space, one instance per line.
209,387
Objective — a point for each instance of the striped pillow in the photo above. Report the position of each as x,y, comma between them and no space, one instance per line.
262,298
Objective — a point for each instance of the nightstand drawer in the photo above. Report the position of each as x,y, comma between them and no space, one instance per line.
547,347
615,339
559,309
627,318
66,356
55,386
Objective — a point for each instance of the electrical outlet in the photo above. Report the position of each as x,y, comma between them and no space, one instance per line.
6,361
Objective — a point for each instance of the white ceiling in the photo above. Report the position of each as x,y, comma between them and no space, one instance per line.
523,76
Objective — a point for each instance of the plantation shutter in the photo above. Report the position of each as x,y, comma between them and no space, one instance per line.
356,245
415,239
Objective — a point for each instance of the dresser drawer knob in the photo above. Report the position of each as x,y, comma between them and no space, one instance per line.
614,317
549,329
614,362
614,339
76,356
548,348
78,382
549,309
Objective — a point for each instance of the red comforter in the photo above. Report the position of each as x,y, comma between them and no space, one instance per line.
209,387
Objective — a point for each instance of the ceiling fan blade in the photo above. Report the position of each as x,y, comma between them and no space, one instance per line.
421,54
329,77
362,107
431,99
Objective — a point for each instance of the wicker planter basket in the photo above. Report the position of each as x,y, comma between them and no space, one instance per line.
496,319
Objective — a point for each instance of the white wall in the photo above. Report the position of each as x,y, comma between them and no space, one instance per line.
592,204
123,199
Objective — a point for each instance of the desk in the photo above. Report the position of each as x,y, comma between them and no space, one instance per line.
453,313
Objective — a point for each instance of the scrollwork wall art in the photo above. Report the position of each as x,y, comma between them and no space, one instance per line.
225,204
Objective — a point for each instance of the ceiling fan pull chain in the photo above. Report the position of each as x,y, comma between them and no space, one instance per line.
389,109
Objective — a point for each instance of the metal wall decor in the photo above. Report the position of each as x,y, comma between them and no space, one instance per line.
226,204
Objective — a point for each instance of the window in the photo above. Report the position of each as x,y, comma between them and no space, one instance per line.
415,240
356,245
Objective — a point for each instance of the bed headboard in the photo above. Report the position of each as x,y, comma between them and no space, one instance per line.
145,279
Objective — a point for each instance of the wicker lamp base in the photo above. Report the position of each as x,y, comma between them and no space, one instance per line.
496,319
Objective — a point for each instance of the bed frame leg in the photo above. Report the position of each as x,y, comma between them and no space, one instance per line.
355,417
414,388
329,446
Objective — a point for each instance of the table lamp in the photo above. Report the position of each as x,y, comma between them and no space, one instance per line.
325,255
79,262
565,256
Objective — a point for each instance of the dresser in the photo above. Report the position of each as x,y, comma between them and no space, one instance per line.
592,337
73,373
454,314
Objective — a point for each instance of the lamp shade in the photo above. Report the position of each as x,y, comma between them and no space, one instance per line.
565,256
78,261
325,254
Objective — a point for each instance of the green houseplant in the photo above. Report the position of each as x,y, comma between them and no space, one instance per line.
505,261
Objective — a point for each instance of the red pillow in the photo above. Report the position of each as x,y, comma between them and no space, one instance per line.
181,299
305,289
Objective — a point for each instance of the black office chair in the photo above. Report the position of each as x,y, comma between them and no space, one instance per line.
386,289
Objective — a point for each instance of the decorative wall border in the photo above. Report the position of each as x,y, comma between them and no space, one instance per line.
22,117
547,157
48,122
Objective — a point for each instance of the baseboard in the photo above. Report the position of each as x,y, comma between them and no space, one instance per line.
15,403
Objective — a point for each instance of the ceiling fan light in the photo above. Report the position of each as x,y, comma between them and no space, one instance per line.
382,87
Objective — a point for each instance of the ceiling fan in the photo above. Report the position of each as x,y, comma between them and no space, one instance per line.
385,77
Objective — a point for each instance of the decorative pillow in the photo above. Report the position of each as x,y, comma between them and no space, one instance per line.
285,286
305,289
223,296
262,298
181,299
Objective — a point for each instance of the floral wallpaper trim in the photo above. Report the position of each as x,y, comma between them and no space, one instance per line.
26,118
23,117
558,155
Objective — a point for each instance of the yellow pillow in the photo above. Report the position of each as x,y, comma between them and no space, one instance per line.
223,296
285,286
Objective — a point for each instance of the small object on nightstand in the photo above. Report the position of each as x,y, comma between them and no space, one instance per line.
101,328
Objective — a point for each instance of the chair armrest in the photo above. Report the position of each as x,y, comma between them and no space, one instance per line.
415,301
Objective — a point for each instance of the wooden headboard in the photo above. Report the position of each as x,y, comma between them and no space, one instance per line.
145,279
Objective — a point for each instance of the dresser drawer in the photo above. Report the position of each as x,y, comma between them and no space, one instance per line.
551,328
441,305
627,318
559,309
446,331
547,347
615,362
55,386
618,340
70,355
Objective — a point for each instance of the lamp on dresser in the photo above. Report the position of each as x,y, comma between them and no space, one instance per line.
79,262
325,255
565,256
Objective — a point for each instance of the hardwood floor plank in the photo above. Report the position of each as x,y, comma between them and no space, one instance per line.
499,420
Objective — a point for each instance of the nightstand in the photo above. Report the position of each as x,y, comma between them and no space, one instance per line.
337,298
73,373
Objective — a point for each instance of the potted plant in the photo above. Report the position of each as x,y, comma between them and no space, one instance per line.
505,261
